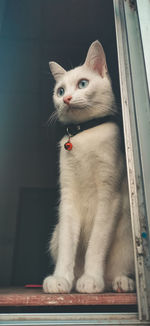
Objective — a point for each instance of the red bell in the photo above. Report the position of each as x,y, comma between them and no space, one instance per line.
68,146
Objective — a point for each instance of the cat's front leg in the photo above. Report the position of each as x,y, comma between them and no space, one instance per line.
68,234
92,281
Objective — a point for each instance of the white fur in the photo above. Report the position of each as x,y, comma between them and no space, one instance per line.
92,243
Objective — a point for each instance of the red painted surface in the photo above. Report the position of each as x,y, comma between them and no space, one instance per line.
36,297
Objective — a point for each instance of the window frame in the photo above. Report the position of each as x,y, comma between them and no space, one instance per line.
134,95
136,117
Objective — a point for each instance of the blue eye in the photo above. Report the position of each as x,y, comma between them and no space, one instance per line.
60,91
83,83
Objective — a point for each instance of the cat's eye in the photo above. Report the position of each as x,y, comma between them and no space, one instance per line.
83,83
60,91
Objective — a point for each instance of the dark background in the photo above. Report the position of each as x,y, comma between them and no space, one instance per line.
33,32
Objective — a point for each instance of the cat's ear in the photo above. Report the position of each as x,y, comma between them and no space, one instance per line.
96,59
56,70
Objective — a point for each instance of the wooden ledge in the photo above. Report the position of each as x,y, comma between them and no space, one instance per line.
36,297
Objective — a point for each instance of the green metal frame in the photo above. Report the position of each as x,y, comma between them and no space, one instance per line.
134,85
144,19
72,319
136,117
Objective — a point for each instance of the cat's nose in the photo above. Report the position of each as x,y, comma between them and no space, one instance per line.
67,99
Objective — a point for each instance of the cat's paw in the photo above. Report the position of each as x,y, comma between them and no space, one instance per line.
89,284
55,284
123,284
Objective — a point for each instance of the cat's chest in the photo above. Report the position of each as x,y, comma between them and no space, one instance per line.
83,145
90,149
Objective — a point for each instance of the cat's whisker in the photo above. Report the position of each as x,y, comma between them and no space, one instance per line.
104,107
81,104
53,118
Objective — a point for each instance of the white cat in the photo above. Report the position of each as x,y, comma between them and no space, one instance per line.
92,243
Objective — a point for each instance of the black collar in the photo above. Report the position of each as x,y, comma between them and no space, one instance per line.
73,129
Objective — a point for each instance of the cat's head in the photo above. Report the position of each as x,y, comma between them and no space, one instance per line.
85,92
